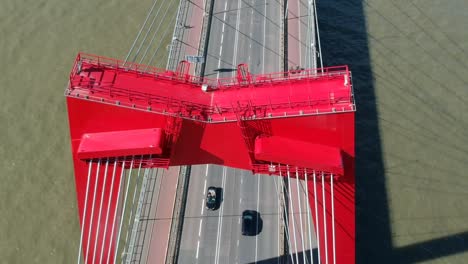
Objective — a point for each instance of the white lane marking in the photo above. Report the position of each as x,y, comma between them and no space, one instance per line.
258,211
236,35
204,189
279,43
222,34
220,221
206,173
238,242
264,36
239,221
224,18
199,229
240,201
202,206
198,248
279,212
299,26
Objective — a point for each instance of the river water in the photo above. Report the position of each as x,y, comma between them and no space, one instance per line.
410,70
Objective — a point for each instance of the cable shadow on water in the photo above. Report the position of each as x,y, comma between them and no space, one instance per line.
345,40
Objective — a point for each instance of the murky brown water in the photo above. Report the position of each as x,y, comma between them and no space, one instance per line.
410,57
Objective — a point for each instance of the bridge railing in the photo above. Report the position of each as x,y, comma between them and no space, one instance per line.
221,83
82,86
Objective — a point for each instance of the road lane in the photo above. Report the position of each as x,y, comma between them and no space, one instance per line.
242,31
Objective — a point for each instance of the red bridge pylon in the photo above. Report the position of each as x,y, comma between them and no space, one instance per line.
130,115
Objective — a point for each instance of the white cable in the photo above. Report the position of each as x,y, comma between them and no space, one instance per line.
111,190
147,32
133,203
285,220
159,45
115,214
92,210
141,29
83,221
100,210
318,35
333,220
124,205
324,219
292,213
316,217
157,29
155,211
308,218
300,214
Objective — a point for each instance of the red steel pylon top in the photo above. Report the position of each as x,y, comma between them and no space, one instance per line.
300,121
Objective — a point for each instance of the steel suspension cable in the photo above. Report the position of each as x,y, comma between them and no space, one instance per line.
157,29
141,30
325,237
310,38
115,214
248,37
100,210
285,219
271,21
155,211
83,221
152,187
300,214
333,219
166,32
292,213
146,34
316,217
133,205
318,34
92,210
308,217
124,205
108,210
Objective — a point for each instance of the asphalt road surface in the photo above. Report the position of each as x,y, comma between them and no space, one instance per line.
215,236
241,32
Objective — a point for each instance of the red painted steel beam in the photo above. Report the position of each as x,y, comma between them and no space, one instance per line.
297,153
121,143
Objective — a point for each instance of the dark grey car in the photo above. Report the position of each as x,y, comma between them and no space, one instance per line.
251,223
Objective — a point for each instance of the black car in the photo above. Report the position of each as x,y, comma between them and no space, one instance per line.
213,198
251,223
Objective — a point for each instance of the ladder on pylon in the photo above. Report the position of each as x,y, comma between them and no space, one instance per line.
247,132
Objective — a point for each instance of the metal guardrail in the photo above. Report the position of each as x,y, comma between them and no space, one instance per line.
174,52
223,83
178,215
89,88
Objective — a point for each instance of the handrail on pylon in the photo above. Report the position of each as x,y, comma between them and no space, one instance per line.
221,83
86,83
